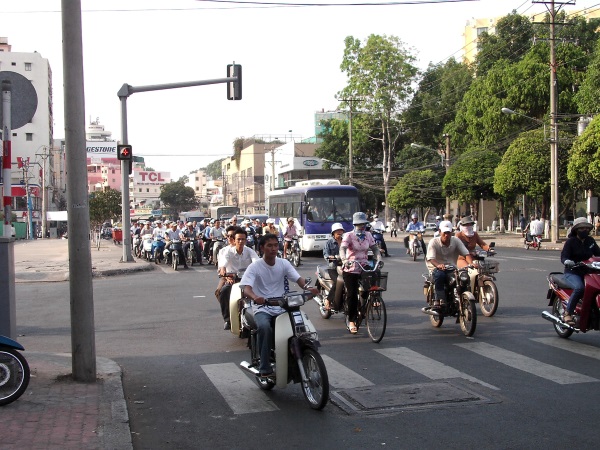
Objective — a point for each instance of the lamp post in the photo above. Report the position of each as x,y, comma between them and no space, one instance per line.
553,169
445,154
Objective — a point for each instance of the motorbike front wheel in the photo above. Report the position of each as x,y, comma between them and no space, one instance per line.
174,260
14,375
468,314
296,258
415,253
316,387
488,298
376,317
558,310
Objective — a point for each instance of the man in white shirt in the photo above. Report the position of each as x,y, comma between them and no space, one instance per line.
535,228
233,259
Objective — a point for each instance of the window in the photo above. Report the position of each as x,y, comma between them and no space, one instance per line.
29,136
28,66
147,189
481,30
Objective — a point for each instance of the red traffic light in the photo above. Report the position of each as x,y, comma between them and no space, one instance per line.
124,152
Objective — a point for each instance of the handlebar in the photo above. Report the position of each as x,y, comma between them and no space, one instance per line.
365,267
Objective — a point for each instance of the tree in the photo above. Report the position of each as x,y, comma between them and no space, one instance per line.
105,205
583,169
214,169
416,189
587,98
178,197
380,75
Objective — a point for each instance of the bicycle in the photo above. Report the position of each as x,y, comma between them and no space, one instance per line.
371,308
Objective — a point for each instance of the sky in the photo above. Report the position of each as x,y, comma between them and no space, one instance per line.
290,56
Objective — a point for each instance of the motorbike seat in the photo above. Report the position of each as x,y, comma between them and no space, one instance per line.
560,281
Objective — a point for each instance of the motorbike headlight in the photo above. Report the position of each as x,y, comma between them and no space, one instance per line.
463,276
294,300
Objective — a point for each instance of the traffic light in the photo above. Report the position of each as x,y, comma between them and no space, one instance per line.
234,88
124,152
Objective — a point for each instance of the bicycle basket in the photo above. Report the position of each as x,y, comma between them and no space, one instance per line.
489,266
374,281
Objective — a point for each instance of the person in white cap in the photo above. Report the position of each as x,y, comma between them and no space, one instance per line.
442,251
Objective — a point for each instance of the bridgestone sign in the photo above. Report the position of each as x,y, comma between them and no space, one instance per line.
101,149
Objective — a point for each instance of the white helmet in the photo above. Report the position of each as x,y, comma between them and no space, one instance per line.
414,216
336,226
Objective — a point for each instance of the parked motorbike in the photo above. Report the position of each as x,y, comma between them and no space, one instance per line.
295,357
415,244
587,311
533,241
482,283
147,247
14,371
294,252
460,303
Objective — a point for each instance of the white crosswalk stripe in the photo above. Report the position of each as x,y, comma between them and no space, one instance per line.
241,394
526,364
341,377
571,346
426,366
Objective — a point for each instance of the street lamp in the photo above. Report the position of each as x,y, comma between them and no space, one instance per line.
553,170
445,154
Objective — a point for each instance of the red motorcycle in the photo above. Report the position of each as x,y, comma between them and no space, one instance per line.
587,312
533,241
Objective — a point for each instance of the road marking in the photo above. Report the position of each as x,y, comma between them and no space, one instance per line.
199,296
241,394
526,364
426,366
341,377
571,346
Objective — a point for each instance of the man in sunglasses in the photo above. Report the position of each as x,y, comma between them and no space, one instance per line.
232,260
443,251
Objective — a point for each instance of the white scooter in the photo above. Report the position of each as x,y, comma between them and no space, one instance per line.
147,246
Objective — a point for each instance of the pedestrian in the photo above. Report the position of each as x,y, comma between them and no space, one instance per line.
522,225
597,224
393,228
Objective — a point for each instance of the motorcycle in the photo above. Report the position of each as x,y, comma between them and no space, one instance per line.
173,254
533,241
294,252
250,239
14,371
295,357
218,244
378,236
191,255
482,283
324,284
460,302
159,249
587,311
147,247
415,244
137,247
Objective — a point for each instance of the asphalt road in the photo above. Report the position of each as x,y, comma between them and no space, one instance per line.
509,386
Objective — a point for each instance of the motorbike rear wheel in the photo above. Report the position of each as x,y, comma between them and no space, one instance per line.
376,317
174,260
436,320
415,253
14,375
468,314
558,310
316,389
325,313
488,298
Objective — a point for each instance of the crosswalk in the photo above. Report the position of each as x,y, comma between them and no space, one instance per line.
241,394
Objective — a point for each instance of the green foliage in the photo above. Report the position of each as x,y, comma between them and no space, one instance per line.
471,176
583,171
587,98
178,197
416,189
238,146
105,205
214,169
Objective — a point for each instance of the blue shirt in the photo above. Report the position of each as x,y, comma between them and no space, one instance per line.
418,226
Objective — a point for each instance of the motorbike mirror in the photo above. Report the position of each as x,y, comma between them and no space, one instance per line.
492,244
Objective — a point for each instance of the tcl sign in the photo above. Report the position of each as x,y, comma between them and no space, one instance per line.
152,177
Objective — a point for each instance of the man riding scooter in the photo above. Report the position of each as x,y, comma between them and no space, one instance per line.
331,253
377,230
415,226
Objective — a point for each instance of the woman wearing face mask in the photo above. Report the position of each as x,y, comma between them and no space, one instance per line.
470,238
578,247
355,247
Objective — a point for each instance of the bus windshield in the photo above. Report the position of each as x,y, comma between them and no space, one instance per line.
331,206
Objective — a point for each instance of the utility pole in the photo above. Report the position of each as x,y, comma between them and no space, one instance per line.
554,194
447,166
350,101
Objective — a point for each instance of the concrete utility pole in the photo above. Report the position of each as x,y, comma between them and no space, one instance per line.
447,166
350,101
6,155
83,345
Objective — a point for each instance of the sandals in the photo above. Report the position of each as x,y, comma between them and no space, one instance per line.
352,329
326,306
568,319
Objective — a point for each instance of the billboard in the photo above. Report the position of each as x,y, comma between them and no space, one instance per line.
144,178
100,149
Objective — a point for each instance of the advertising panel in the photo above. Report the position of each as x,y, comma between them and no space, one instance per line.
143,178
101,149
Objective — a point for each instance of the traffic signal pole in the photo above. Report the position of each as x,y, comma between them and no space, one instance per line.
123,94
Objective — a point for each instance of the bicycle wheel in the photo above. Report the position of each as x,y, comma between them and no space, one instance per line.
376,317
316,388
14,375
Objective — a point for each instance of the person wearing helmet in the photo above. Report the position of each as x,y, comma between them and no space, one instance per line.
158,236
354,248
578,247
191,238
470,238
376,226
289,232
331,253
414,225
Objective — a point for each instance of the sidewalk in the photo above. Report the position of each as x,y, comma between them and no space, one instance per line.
56,412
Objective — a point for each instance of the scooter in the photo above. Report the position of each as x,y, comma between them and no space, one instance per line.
137,247
587,311
295,357
14,371
173,254
533,241
460,303
378,236
218,244
415,244
324,284
147,247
